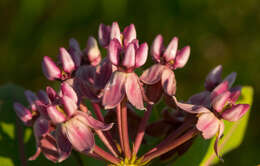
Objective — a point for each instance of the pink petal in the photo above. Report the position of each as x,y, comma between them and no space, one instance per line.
115,32
168,82
182,57
221,88
236,112
220,101
208,124
114,91
79,135
103,35
75,52
235,95
231,78
69,105
67,90
141,55
213,78
170,52
129,34
50,70
67,61
23,113
129,57
55,115
63,144
114,49
157,47
92,51
152,75
133,91
52,95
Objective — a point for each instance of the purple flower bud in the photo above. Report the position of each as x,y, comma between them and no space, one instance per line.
157,48
69,105
103,35
236,112
231,79
115,32
40,128
213,78
23,113
220,101
129,34
42,95
55,115
141,55
67,90
93,52
114,49
182,57
50,70
129,57
31,97
67,61
75,52
170,52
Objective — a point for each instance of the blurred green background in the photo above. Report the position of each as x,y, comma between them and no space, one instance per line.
223,32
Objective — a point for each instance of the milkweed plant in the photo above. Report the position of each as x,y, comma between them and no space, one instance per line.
120,102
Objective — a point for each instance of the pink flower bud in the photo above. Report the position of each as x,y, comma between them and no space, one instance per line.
235,95
213,78
182,57
220,101
141,55
115,32
67,61
55,115
129,57
50,70
170,52
221,88
236,112
51,93
31,97
114,49
23,113
93,52
129,34
69,105
103,35
157,48
67,90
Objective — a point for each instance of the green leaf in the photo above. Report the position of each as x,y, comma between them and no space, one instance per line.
202,151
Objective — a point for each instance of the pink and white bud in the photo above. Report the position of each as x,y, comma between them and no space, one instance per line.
129,34
231,78
69,105
157,48
170,52
115,32
23,113
50,70
129,57
55,115
114,49
141,55
236,112
182,57
213,78
67,90
93,52
104,35
67,61
31,97
75,52
220,101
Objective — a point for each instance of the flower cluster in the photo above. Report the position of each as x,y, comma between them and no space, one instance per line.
62,120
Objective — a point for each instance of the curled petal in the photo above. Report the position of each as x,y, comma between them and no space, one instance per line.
152,75
200,98
170,52
103,35
50,70
236,112
23,113
133,91
31,97
129,57
129,34
218,136
93,52
75,52
67,61
231,78
114,91
115,32
208,124
182,57
69,105
79,135
213,78
221,88
157,48
55,115
168,82
141,55
63,144
220,101
67,90
114,49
